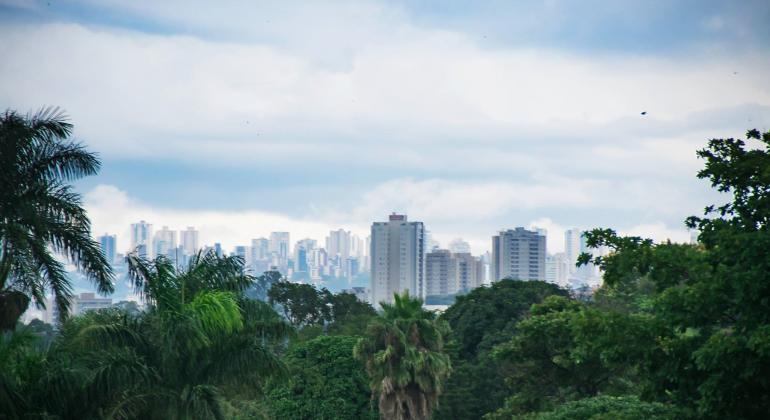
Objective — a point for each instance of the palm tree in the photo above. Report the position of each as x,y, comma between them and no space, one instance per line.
41,216
199,341
403,352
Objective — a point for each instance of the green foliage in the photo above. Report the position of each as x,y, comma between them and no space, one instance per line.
313,310
326,383
607,408
198,350
302,304
479,320
40,215
262,285
712,301
567,350
483,318
404,354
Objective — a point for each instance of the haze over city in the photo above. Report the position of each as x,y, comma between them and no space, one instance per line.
242,119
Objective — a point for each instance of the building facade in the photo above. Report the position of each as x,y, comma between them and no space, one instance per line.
108,244
164,242
397,258
518,254
448,273
188,238
141,237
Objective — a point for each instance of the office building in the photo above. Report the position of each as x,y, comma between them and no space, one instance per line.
338,243
557,269
518,254
188,238
397,258
141,237
470,271
440,273
164,242
108,243
448,273
279,245
572,245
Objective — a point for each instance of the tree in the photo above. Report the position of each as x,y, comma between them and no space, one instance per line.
305,306
567,350
712,353
326,383
198,347
404,354
607,407
263,283
349,315
302,304
40,214
483,318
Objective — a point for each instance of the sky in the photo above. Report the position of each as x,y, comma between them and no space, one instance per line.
242,118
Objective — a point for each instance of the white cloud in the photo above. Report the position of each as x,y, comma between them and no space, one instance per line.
467,137
658,232
134,94
112,211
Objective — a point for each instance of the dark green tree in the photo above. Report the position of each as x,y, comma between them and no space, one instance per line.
712,353
198,348
263,283
483,318
326,383
607,407
41,216
567,350
404,354
301,304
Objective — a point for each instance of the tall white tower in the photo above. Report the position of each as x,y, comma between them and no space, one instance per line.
572,245
518,254
397,258
141,235
189,240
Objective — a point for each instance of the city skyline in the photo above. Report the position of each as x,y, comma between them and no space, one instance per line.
307,119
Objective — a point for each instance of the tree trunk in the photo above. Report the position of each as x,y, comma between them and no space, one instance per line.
12,305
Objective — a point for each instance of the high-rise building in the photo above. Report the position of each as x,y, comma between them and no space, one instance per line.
188,238
338,243
572,241
108,244
397,258
557,269
470,271
260,249
357,247
141,235
241,251
440,273
448,273
279,244
459,246
589,274
518,254
164,242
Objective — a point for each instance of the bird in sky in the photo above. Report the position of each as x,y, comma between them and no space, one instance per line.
644,112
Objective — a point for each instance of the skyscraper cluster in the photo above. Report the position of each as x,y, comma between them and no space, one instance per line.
398,256
345,254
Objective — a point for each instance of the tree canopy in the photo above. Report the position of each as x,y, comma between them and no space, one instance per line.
41,216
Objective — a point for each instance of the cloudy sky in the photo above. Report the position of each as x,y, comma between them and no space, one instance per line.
241,117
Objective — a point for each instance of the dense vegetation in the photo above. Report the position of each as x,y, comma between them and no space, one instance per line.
676,330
